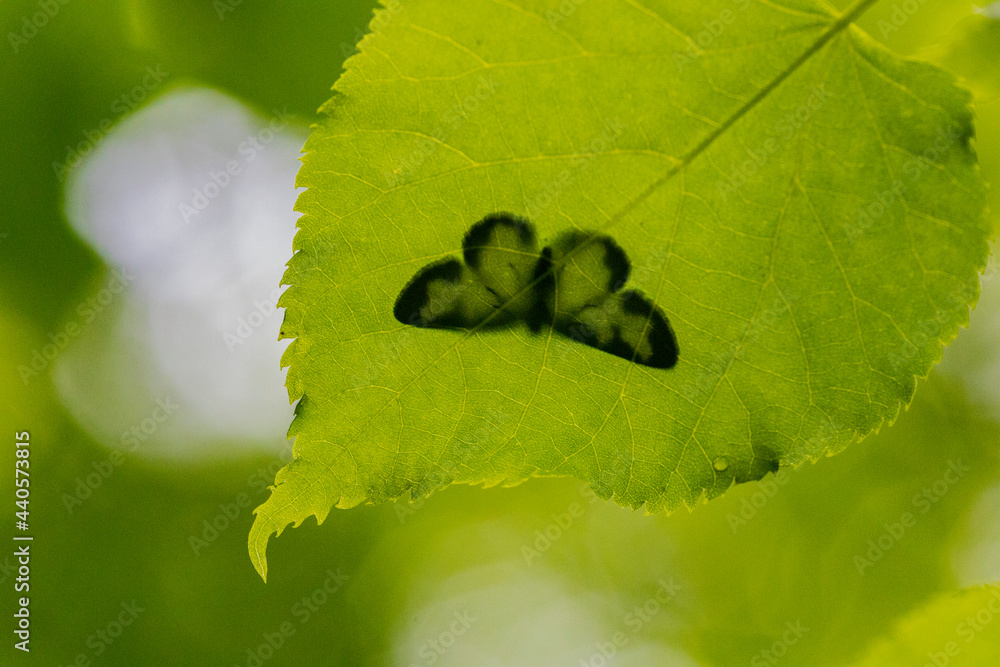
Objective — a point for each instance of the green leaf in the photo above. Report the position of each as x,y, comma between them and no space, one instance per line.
960,630
802,205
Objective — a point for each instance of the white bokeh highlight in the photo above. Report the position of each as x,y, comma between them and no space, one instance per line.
991,11
974,358
204,249
517,618
499,611
975,558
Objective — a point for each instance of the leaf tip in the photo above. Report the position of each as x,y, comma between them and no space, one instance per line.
257,546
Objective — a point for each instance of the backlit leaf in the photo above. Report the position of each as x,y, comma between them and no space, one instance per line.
802,205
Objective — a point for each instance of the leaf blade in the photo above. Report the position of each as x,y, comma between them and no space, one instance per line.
423,415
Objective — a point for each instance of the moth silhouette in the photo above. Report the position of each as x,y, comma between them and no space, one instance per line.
572,286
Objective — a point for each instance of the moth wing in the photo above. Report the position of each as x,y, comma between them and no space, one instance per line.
446,295
627,325
502,250
585,270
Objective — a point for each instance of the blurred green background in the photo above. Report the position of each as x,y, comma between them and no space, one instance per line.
520,598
